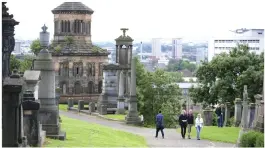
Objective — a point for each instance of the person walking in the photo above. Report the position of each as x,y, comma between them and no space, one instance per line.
218,112
190,120
159,124
198,125
183,123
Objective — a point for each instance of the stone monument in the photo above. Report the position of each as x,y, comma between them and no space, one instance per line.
48,111
132,116
120,103
238,111
12,87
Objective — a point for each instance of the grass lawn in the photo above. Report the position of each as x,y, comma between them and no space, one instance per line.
213,133
116,116
63,107
84,134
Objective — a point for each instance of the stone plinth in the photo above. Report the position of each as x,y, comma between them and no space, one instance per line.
208,117
70,103
251,114
260,121
81,104
238,111
258,98
121,104
227,112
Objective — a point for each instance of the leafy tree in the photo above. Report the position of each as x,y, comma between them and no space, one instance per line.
26,64
176,65
14,63
156,91
58,48
223,79
35,46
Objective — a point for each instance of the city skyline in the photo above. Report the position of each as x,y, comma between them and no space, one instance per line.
189,19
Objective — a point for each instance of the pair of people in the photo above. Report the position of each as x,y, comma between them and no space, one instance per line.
187,119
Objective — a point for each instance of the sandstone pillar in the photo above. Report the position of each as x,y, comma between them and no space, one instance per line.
132,117
238,111
251,114
257,107
103,99
227,112
120,104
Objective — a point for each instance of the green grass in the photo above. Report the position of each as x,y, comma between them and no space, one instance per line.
116,116
213,133
84,134
63,107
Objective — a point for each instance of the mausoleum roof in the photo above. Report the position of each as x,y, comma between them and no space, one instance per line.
77,7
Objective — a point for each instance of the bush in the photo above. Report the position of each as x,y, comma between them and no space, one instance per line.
214,123
230,122
260,140
252,139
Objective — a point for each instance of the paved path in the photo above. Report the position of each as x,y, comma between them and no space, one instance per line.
172,138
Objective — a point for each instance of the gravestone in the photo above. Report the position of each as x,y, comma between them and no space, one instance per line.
260,122
258,98
103,99
208,116
70,103
132,116
81,104
49,113
244,121
121,103
238,111
92,107
227,112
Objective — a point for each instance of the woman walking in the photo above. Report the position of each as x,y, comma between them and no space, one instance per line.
198,125
183,123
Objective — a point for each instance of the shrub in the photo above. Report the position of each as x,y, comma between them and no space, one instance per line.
252,139
214,123
260,140
230,122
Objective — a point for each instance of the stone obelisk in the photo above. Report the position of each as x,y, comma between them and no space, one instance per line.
132,116
120,104
48,112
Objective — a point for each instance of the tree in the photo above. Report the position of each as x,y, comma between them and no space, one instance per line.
176,65
26,64
35,46
157,91
14,63
223,79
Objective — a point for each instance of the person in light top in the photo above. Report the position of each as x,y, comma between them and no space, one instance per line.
198,125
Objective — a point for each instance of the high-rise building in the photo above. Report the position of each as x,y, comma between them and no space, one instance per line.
177,48
200,55
254,38
156,47
17,47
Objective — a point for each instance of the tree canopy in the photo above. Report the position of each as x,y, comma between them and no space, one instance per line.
223,79
35,46
176,65
14,63
157,91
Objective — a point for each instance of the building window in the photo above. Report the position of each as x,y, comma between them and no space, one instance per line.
259,32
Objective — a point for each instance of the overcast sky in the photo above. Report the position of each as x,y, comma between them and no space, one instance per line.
146,19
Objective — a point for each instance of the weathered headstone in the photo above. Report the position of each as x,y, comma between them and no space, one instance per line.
238,111
251,114
227,112
258,98
81,104
103,99
132,116
208,116
92,107
49,113
120,104
70,103
244,121
260,122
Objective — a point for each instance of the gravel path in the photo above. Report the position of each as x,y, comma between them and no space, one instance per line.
172,138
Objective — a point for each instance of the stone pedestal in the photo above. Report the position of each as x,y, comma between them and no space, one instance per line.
81,104
70,103
121,104
238,111
208,117
258,98
260,121
227,112
103,98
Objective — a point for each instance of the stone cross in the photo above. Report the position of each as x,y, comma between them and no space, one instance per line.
124,31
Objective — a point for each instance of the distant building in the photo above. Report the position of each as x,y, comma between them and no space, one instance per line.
177,48
200,55
156,47
254,38
17,47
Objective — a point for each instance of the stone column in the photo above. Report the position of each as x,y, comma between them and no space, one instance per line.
92,107
70,103
120,105
133,117
251,113
81,105
49,110
238,111
227,112
208,116
103,98
260,122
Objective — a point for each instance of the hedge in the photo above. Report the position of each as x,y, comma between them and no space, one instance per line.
252,139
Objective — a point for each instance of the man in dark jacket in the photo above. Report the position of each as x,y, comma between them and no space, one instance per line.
183,123
160,124
218,112
190,120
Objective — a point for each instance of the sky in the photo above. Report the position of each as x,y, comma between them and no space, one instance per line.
146,19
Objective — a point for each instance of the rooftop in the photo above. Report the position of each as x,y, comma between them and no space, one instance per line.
76,7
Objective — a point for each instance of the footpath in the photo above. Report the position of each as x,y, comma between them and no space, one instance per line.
172,138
